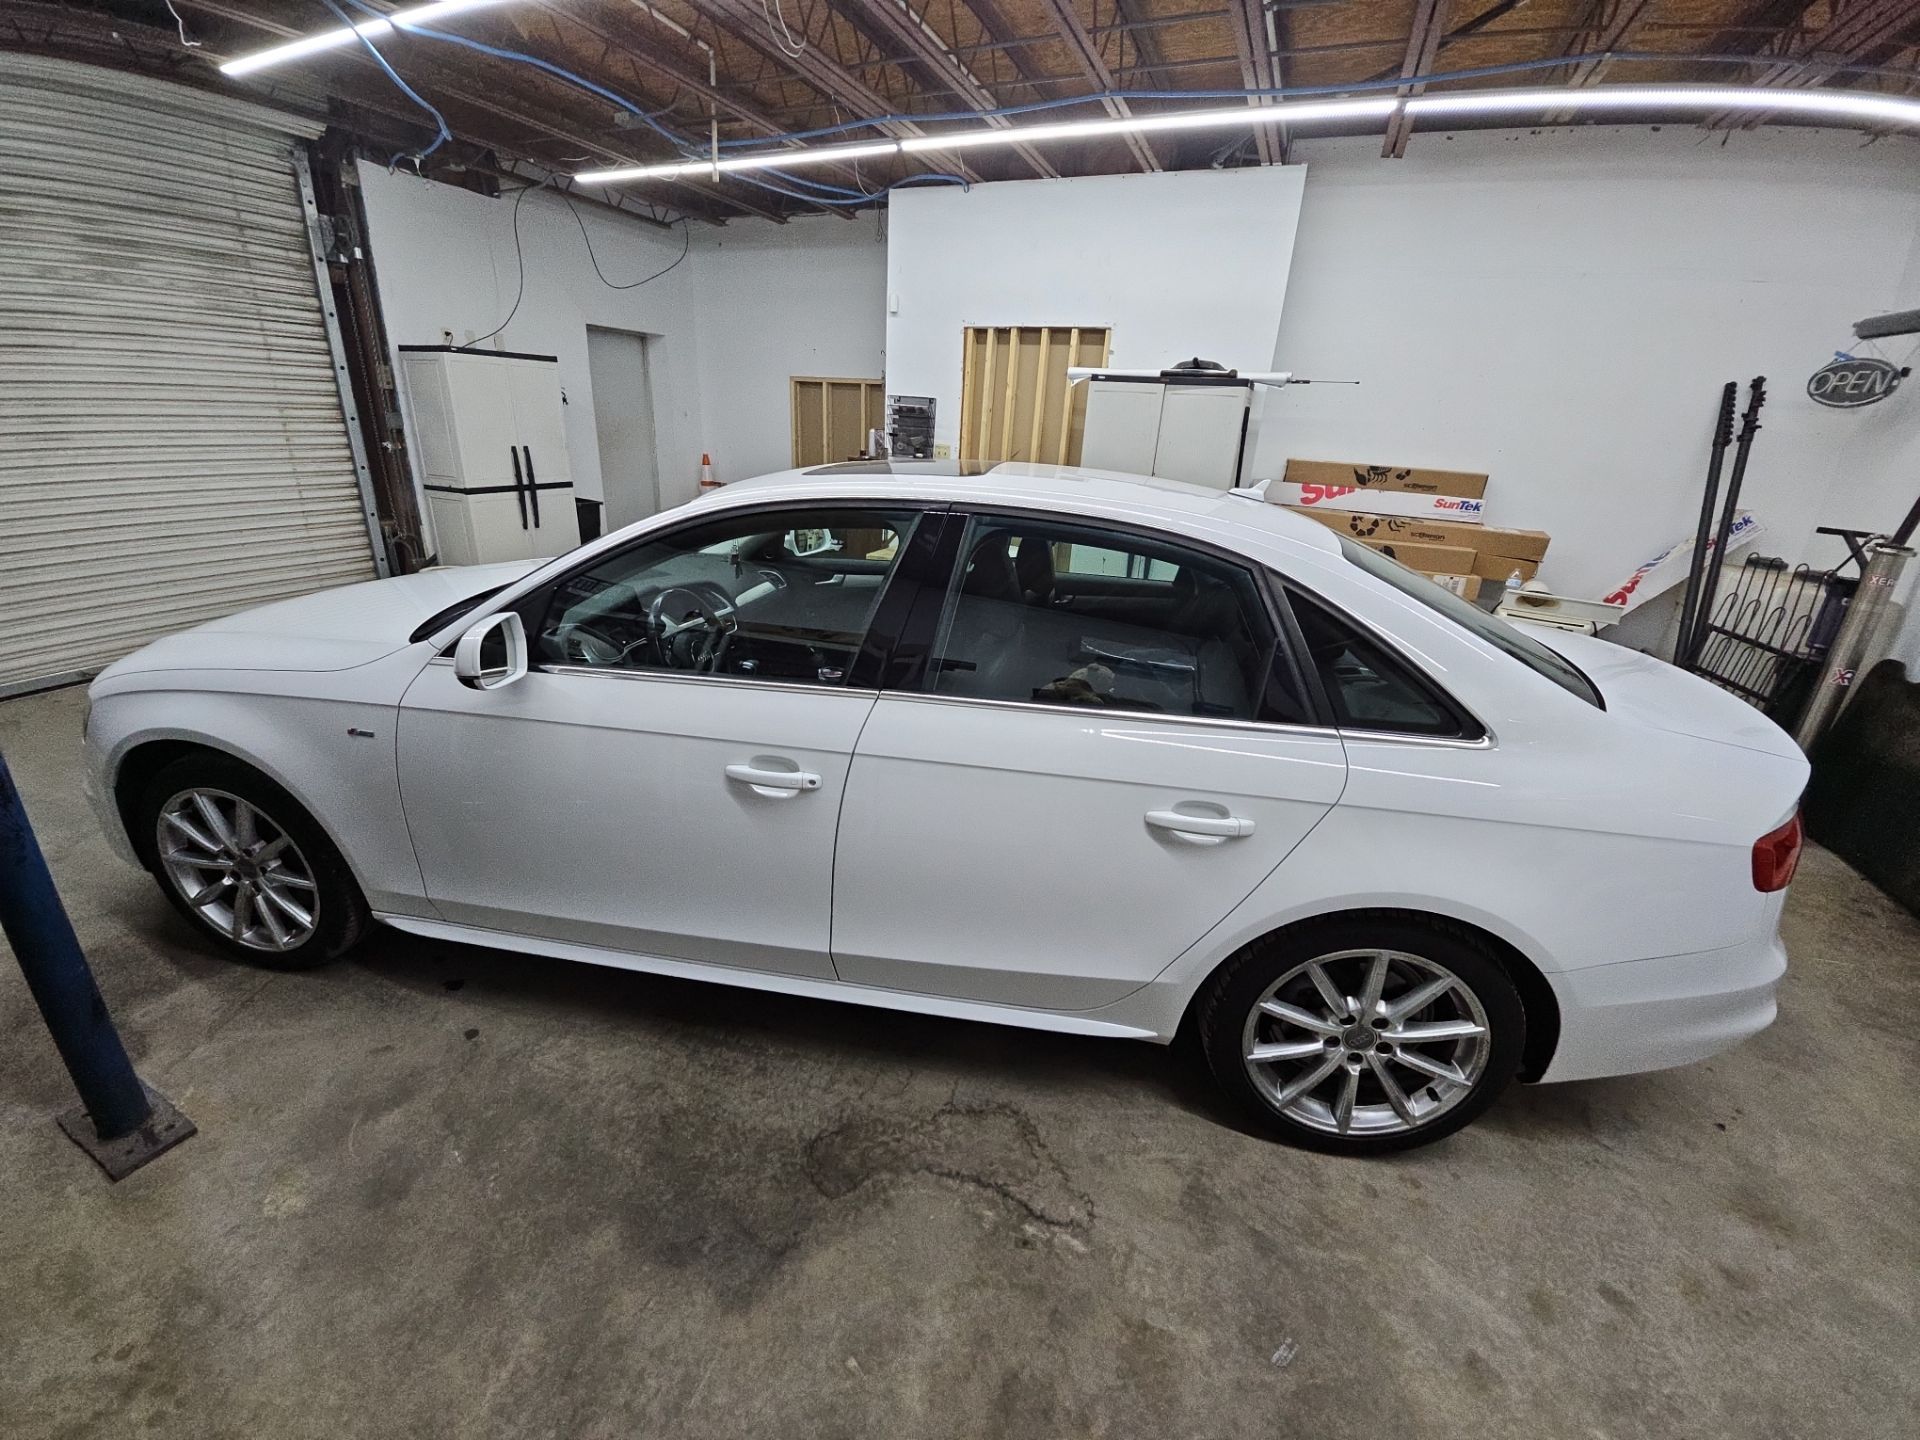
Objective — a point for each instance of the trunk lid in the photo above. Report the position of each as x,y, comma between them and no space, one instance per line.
1650,692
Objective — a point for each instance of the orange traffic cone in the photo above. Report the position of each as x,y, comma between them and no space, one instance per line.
707,482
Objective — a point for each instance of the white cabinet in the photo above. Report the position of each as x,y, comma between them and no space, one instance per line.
1193,431
492,446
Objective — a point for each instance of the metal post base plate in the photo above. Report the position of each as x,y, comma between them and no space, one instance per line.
165,1128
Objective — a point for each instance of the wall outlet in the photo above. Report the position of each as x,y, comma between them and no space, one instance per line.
943,452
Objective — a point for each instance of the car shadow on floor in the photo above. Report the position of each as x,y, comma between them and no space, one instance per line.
720,1014
699,1012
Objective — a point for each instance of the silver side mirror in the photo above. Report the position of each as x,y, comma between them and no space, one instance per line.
492,653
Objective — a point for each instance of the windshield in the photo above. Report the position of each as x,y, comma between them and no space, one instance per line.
1464,613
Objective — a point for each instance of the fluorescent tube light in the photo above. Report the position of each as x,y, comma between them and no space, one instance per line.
346,35
1249,116
1840,104
1226,117
727,164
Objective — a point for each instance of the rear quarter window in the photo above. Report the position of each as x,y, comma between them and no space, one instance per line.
1505,638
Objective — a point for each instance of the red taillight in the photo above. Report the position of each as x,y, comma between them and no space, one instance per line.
1775,855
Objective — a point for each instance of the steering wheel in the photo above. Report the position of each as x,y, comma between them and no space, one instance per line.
583,645
691,625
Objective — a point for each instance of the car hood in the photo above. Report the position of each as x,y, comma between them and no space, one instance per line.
1651,692
328,630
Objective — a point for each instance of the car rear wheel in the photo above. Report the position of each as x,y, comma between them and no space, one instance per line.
1359,1037
239,857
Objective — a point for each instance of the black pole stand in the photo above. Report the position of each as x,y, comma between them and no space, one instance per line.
1697,564
1749,427
120,1122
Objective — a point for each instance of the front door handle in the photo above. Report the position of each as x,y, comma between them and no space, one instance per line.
1217,827
774,784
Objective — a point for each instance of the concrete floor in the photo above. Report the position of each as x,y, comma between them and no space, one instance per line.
453,1192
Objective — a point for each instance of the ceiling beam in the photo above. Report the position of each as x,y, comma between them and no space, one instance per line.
1253,43
910,32
1802,57
1609,25
1086,54
1147,52
1423,44
744,111
1853,34
743,19
693,200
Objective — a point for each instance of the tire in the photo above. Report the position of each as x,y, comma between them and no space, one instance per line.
282,860
1444,1077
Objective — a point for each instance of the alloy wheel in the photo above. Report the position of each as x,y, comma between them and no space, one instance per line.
1366,1042
238,869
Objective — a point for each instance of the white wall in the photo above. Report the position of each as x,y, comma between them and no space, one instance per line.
1560,309
804,298
1178,264
445,260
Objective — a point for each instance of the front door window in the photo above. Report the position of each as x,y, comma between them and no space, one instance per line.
776,595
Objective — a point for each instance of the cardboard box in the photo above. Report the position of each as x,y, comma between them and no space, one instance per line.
1498,567
1429,559
1459,509
1396,479
1467,587
1420,530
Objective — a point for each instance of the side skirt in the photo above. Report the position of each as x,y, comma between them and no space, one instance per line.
762,980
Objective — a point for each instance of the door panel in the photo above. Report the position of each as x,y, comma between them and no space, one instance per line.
1004,853
599,808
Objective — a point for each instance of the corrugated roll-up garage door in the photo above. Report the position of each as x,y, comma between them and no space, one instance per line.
172,441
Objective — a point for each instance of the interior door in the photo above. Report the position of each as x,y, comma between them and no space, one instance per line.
1073,799
667,777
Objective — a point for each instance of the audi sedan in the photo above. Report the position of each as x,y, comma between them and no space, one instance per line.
1030,745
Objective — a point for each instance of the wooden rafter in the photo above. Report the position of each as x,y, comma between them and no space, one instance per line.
820,70
1609,25
1423,44
1803,57
521,113
909,31
1855,33
1086,53
744,111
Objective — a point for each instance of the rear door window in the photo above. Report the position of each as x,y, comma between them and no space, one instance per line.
1058,613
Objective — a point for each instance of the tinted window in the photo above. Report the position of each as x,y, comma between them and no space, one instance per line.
1062,614
1369,688
1464,613
777,595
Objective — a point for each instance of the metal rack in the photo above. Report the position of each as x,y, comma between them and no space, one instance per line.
1770,629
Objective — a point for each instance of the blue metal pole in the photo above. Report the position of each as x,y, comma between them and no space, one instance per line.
43,941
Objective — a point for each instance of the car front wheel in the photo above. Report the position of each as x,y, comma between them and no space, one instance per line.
239,857
1362,1037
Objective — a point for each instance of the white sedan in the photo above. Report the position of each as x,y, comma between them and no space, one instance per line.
1036,746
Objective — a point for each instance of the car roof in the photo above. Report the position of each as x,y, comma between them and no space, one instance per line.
1075,489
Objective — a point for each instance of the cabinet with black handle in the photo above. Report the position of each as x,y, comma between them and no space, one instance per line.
491,445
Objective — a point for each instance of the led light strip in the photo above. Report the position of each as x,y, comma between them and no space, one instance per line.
1295,113
344,35
1842,104
1837,104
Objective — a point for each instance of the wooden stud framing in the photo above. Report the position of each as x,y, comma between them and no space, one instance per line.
1039,395
813,400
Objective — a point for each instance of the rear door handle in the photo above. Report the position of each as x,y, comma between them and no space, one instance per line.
1222,827
773,783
